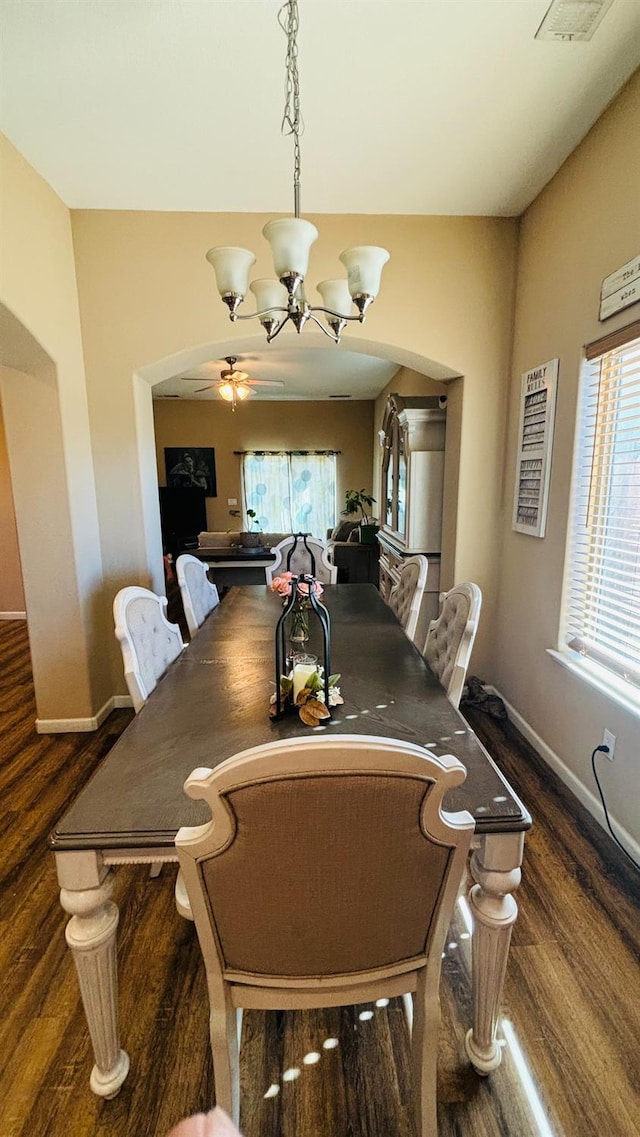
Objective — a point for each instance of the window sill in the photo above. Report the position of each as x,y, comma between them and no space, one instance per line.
624,694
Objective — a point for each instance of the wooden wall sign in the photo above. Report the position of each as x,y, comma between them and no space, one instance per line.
535,439
620,289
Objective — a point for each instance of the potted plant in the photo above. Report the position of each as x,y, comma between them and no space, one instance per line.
252,539
360,500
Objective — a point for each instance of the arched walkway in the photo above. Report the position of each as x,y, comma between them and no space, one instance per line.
58,536
156,372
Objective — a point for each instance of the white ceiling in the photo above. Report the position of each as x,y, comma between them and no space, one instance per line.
410,107
307,374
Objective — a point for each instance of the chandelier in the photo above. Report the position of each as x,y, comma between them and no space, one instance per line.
281,300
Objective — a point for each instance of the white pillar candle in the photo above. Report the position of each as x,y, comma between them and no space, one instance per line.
301,672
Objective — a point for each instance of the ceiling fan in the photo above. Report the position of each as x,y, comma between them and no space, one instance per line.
233,386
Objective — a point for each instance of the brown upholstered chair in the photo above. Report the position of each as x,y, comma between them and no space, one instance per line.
326,877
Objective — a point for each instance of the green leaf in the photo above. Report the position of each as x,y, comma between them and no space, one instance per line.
285,684
334,679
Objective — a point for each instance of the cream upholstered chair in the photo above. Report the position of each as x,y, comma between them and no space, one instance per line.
300,560
450,638
199,595
326,877
149,642
405,597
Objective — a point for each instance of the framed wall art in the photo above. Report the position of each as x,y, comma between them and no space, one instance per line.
191,466
535,441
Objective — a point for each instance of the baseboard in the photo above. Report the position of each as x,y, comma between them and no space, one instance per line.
13,615
81,726
587,799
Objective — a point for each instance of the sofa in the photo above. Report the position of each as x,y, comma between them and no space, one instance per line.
235,540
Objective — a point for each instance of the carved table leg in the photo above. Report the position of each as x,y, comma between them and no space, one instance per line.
495,866
91,936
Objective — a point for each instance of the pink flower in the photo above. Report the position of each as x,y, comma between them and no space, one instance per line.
303,588
282,584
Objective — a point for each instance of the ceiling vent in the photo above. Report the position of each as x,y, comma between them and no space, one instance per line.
569,20
339,396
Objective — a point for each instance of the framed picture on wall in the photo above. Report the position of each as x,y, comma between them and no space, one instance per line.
535,440
191,466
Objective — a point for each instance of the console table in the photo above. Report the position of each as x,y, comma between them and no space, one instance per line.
236,565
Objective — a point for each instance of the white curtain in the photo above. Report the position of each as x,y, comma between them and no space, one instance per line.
291,492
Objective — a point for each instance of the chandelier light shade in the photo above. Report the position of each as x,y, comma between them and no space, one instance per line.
291,238
335,295
364,267
232,267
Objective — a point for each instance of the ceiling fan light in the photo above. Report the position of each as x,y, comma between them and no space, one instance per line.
269,294
364,266
291,239
336,296
242,391
225,390
231,266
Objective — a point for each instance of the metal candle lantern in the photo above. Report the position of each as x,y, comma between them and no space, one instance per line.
296,538
321,612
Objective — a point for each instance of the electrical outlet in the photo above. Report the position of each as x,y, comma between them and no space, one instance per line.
609,739
232,501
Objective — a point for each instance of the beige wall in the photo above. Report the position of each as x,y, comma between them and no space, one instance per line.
147,293
11,590
47,431
585,225
268,425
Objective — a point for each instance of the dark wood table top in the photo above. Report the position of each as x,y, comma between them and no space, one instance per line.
214,702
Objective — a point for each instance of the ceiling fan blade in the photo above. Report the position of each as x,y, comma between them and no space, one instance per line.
265,382
209,387
193,378
234,376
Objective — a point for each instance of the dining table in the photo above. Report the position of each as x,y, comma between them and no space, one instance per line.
214,702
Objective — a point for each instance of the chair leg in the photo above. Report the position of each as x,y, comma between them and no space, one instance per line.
407,1002
223,1030
424,1049
155,870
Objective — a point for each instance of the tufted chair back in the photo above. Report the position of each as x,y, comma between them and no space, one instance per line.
148,641
450,638
326,876
199,595
405,597
300,562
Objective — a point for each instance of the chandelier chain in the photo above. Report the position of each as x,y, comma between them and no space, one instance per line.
292,122
284,302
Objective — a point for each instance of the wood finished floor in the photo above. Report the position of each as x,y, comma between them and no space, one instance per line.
571,999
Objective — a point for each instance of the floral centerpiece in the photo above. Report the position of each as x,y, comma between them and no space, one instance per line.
310,699
299,613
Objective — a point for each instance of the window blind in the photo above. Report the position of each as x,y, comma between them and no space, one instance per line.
602,598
